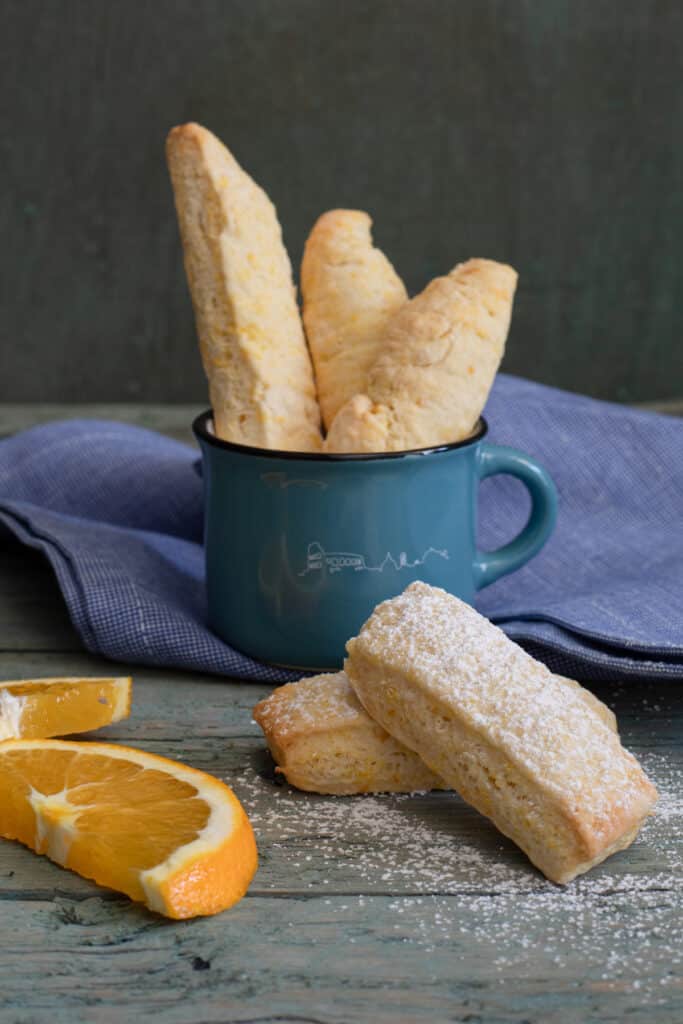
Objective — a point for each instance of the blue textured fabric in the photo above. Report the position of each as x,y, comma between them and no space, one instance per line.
118,512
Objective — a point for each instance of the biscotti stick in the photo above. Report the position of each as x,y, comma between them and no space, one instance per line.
436,363
350,291
513,740
324,741
250,332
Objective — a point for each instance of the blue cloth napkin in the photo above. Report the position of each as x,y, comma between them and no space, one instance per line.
117,510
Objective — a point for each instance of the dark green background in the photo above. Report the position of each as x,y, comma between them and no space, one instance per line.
544,133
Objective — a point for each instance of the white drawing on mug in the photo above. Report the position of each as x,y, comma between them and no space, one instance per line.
318,559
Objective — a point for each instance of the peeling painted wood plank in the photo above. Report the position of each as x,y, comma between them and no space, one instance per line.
439,958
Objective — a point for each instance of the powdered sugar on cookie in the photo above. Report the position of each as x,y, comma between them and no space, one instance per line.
517,743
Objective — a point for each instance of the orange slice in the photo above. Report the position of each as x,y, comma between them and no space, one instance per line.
35,708
169,836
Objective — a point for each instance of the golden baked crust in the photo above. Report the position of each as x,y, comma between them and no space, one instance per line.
513,740
593,703
323,740
250,332
436,363
350,292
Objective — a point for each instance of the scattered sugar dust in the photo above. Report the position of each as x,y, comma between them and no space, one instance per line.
450,882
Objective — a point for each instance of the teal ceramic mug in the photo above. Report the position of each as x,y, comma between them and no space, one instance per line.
300,547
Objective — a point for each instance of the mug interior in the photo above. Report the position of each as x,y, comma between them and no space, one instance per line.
203,429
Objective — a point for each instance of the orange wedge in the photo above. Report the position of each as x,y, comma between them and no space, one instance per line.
174,838
35,708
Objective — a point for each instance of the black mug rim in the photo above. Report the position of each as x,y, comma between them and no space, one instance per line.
201,432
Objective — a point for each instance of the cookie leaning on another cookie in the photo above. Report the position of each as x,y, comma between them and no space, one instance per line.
250,332
513,740
323,740
350,292
436,363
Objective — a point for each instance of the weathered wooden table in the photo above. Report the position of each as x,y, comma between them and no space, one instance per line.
376,909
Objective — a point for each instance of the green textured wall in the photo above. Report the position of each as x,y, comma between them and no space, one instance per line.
544,133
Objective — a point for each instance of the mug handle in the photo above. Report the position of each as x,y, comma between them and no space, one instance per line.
492,459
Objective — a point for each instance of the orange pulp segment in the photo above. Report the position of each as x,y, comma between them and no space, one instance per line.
172,837
37,708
